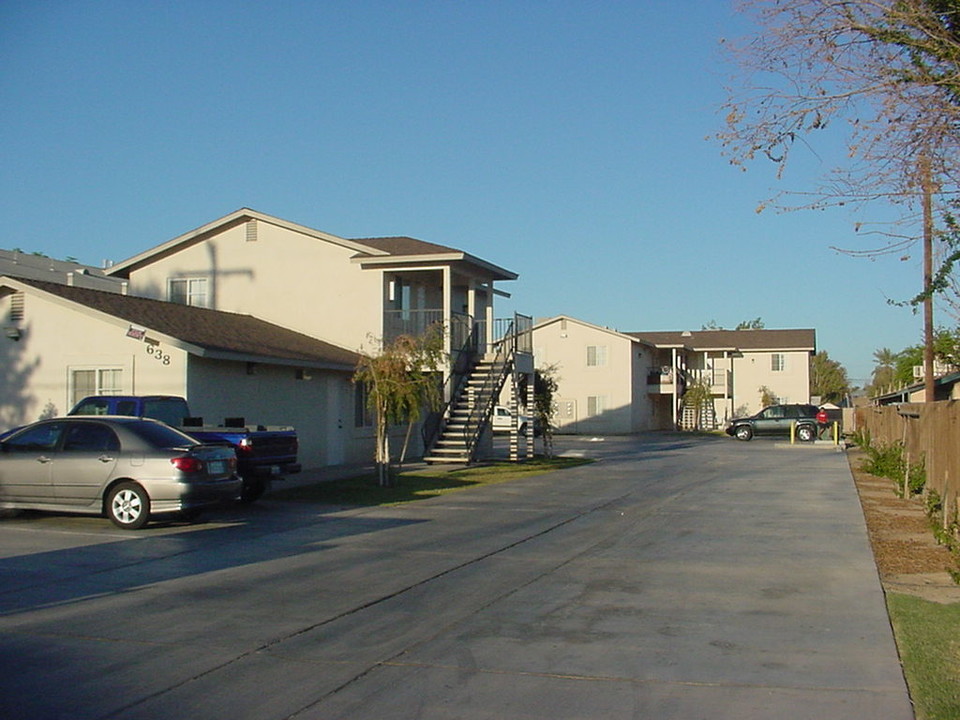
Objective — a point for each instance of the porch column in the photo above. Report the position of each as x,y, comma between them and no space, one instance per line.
472,300
728,385
488,340
676,386
514,417
447,311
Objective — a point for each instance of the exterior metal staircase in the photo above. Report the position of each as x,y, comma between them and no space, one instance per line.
469,413
694,417
473,386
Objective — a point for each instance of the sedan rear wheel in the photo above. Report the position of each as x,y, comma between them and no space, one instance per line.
128,506
744,432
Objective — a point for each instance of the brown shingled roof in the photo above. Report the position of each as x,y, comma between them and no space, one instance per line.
212,330
402,245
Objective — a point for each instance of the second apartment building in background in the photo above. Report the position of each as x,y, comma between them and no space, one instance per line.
622,382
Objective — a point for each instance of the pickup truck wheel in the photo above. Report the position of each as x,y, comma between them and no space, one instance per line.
252,489
744,432
128,506
806,433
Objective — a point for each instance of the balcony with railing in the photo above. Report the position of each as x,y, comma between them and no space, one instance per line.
409,322
717,379
518,330
661,380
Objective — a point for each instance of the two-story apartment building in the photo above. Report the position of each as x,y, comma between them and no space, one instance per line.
601,376
248,315
610,381
351,292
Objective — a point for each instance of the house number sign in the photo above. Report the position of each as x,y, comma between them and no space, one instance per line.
157,354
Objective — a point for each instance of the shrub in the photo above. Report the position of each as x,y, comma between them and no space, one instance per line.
945,530
888,461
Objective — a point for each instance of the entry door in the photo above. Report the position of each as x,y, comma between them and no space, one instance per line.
339,413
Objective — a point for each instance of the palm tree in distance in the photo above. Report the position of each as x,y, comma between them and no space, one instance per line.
881,378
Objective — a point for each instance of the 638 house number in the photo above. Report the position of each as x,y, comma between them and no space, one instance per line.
157,354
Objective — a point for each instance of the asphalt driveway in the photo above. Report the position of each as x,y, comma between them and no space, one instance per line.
677,577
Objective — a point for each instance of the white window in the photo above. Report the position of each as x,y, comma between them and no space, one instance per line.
98,381
596,405
778,362
596,355
189,291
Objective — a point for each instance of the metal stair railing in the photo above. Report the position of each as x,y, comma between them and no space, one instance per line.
463,364
485,398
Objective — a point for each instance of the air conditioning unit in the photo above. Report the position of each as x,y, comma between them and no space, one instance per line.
939,369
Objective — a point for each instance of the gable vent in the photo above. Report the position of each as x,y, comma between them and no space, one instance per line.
16,307
251,230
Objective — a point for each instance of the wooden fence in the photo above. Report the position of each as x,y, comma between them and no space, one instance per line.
929,433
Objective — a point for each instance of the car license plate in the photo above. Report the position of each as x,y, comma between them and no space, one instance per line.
217,467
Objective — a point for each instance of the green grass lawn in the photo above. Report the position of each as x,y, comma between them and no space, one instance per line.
363,491
928,637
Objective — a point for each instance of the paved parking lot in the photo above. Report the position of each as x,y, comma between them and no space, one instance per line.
677,577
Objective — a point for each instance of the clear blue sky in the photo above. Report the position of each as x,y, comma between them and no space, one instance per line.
566,141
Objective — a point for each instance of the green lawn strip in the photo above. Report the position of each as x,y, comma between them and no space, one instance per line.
928,637
363,491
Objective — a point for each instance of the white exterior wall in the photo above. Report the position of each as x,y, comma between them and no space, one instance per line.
287,278
564,344
57,340
643,406
753,370
319,406
35,381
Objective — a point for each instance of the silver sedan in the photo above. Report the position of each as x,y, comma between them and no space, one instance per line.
126,468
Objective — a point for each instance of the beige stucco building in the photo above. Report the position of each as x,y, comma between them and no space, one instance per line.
350,292
601,374
62,343
616,382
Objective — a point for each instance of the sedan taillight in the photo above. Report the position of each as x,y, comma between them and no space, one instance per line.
187,464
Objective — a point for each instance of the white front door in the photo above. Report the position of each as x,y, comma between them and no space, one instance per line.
338,415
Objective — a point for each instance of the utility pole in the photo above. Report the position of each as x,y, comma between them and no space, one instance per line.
926,187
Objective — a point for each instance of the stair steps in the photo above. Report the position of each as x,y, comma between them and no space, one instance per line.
452,446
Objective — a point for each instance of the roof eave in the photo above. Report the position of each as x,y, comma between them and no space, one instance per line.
494,271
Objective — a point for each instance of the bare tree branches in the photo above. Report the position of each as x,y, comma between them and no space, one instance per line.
887,71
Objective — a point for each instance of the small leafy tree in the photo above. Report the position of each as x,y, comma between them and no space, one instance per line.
400,381
755,324
828,378
767,396
946,350
545,384
698,396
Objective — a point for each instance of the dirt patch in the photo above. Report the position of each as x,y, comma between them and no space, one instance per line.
908,558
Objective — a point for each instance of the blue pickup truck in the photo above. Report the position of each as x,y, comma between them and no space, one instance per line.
263,453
